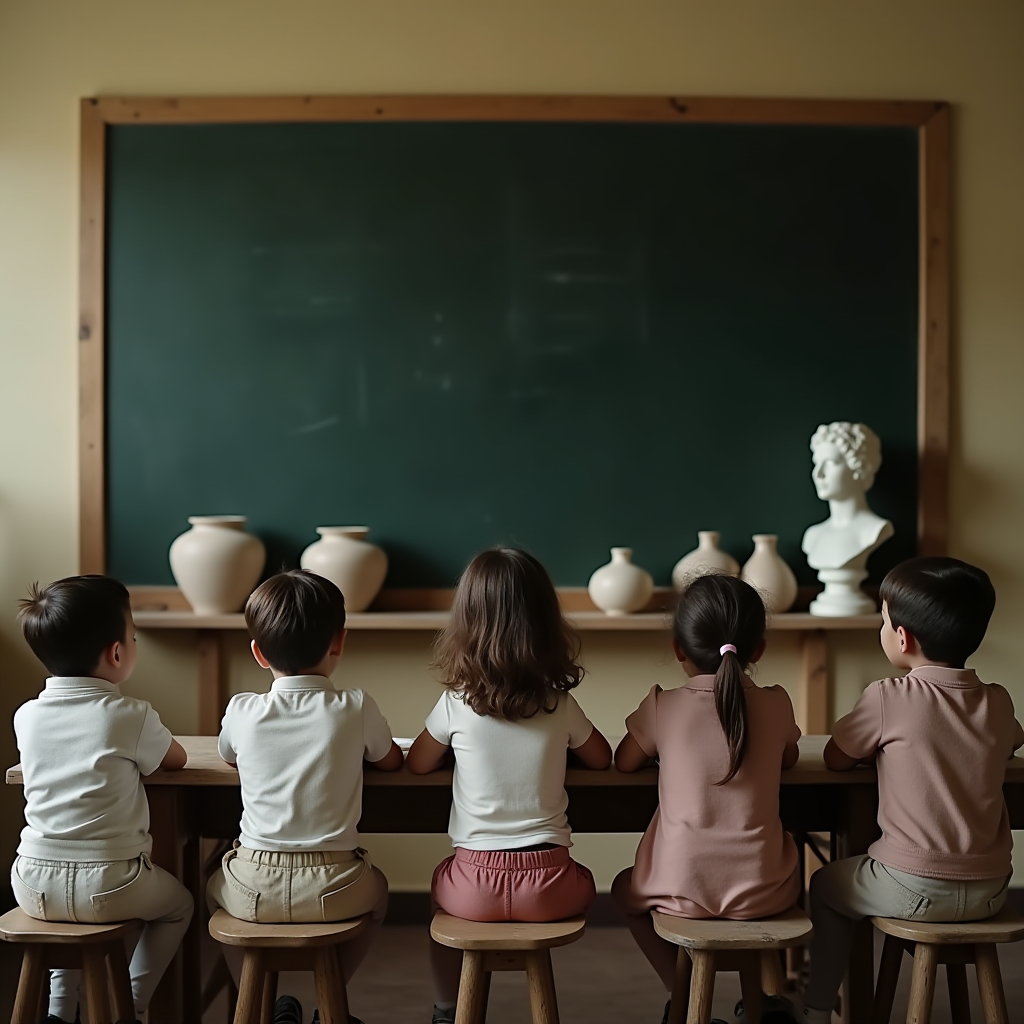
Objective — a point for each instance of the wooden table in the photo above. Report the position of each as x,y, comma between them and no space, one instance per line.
203,800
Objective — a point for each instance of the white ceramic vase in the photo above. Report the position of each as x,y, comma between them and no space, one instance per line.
767,572
706,557
620,587
345,557
216,563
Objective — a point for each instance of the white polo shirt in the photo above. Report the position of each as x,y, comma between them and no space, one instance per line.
299,751
84,748
508,789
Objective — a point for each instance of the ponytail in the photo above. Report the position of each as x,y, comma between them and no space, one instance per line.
719,624
731,705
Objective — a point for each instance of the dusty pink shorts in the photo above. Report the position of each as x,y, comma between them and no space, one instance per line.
498,885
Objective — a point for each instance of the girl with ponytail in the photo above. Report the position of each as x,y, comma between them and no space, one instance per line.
715,846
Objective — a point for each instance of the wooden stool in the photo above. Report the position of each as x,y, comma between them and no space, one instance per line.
92,948
505,946
271,948
750,947
955,945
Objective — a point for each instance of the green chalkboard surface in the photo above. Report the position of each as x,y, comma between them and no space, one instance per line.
561,335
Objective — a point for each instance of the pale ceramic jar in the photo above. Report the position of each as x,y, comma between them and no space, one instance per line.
216,563
767,572
620,587
348,560
707,557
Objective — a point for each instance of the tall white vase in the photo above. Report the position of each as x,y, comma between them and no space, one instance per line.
767,572
348,560
620,587
216,563
706,557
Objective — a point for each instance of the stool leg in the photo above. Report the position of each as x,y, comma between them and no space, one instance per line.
888,977
486,996
681,987
330,987
990,984
541,979
269,997
469,1009
702,987
922,985
959,1000
120,981
750,987
250,988
30,985
773,978
94,964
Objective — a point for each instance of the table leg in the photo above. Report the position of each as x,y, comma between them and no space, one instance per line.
812,711
211,681
164,819
191,952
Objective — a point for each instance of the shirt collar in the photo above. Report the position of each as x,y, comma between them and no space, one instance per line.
291,683
942,676
707,682
60,685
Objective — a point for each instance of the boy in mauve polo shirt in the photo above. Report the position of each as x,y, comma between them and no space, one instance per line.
940,739
299,750
84,851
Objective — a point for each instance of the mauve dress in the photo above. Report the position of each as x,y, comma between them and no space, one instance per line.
715,851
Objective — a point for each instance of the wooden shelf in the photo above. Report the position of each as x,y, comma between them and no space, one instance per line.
583,621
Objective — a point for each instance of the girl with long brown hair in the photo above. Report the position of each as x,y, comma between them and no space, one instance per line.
507,660
715,846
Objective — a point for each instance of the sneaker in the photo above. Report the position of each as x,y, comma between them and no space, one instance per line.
444,1016
287,1010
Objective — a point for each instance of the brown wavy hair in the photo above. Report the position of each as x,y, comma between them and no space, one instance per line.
507,650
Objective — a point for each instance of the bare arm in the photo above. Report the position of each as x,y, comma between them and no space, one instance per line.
426,754
836,759
391,761
175,757
630,756
594,753
790,755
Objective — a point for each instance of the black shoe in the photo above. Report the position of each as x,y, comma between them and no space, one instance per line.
351,1019
287,1010
774,1010
444,1016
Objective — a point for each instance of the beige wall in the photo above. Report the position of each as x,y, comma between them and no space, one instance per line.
52,53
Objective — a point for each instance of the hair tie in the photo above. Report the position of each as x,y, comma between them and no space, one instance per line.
726,647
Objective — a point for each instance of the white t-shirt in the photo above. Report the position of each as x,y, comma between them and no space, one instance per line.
299,751
509,786
84,748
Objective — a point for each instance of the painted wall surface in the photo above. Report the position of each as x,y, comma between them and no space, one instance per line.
51,54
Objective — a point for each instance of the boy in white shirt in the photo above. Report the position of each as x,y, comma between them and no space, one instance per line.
300,750
84,746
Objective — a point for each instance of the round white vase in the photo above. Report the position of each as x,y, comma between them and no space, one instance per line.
706,557
216,563
348,560
620,587
767,572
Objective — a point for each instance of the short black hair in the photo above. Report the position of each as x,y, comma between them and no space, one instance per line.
945,604
69,623
293,617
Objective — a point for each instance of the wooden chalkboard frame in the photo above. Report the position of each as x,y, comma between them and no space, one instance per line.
931,119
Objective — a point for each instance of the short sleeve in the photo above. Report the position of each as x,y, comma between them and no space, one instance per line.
642,724
439,723
376,731
859,734
225,742
153,743
580,727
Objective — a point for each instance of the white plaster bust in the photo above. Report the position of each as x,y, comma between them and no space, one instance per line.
846,457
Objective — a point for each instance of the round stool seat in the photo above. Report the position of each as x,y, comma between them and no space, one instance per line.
504,935
233,932
790,928
1005,926
17,926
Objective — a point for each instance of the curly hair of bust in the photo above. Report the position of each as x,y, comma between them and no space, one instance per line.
713,611
859,444
507,651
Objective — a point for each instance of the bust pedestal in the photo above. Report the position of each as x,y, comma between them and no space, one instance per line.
842,594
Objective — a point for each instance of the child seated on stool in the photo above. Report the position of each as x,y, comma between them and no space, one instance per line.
299,750
508,661
84,746
715,846
940,739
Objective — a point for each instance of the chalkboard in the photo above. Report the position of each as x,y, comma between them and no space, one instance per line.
566,336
